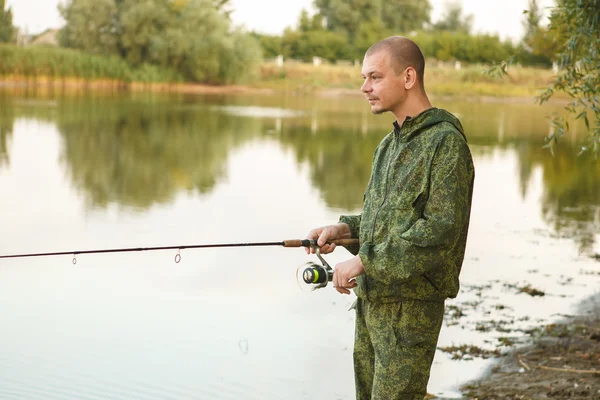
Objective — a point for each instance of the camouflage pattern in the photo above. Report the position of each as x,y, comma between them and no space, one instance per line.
413,228
394,348
413,233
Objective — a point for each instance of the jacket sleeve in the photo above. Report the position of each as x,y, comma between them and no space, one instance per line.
353,221
442,228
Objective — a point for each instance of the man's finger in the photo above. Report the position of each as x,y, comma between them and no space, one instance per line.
323,237
342,290
327,248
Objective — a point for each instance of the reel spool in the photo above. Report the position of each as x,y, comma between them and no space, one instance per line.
314,276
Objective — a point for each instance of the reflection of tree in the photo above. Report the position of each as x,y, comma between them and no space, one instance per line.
571,184
138,154
339,162
6,128
138,150
571,199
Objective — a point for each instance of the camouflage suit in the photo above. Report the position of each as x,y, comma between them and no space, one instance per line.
413,232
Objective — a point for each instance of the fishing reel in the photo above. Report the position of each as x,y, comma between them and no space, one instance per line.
314,276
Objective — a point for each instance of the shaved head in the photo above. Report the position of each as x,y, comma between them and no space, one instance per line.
403,53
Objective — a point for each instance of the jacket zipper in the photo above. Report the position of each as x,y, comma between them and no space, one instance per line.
387,171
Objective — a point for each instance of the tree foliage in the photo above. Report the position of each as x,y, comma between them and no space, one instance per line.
345,29
576,24
7,30
454,20
539,45
400,16
193,37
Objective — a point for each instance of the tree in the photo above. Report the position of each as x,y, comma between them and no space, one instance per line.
533,17
576,23
194,37
538,45
304,23
91,25
398,16
454,20
7,30
224,7
404,16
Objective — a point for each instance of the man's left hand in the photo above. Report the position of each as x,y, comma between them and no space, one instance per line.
345,272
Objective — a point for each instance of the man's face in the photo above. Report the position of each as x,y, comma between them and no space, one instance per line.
384,89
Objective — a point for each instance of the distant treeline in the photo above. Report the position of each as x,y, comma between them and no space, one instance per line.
196,41
345,29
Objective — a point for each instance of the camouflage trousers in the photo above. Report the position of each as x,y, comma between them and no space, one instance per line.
394,347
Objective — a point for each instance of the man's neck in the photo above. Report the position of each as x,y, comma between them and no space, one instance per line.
411,108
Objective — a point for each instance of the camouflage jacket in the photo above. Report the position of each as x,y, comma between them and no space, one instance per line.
413,228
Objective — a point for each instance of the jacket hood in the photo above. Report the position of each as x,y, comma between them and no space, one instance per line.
432,116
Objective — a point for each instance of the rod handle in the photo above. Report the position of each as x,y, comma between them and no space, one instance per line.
307,242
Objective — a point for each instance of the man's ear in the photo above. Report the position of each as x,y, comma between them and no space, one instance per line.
410,79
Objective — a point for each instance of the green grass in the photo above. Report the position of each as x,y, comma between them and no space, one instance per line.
443,80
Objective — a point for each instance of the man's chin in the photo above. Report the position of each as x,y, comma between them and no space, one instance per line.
377,110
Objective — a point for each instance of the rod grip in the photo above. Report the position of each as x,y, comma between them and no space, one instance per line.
306,242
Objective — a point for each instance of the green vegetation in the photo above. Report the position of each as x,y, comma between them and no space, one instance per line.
7,30
48,63
53,63
441,79
194,41
345,29
193,37
576,24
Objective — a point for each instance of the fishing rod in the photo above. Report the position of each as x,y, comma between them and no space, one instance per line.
315,274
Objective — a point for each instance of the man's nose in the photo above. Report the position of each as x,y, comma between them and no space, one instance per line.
366,87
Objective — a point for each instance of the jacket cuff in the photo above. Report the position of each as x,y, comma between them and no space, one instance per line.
353,222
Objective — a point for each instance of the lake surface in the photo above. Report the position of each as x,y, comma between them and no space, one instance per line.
139,170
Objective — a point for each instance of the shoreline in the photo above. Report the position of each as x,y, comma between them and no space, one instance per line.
561,361
78,85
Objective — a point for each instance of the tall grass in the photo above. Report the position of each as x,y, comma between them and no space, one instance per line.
440,79
51,63
58,63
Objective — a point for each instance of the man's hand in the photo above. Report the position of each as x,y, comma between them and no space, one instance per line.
326,233
344,274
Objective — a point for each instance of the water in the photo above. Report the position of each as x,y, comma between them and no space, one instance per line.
139,170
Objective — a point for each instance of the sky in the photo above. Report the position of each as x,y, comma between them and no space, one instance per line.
273,16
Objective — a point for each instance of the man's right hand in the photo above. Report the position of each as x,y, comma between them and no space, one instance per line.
326,233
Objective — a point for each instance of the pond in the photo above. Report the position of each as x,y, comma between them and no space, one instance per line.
101,171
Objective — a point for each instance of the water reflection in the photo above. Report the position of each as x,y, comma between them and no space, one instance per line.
6,128
139,156
269,167
571,195
138,150
339,161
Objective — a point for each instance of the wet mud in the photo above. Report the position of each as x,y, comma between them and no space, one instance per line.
561,361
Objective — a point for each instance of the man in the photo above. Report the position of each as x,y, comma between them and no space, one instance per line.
412,231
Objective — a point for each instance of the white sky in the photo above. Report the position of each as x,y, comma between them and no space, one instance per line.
273,16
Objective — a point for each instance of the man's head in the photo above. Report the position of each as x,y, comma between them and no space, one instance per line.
393,70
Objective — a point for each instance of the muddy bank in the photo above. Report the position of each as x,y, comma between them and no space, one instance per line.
562,362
